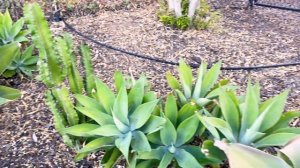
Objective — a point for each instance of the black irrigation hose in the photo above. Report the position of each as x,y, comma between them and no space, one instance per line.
142,56
277,7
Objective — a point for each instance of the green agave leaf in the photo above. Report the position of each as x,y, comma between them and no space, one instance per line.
97,144
155,138
89,102
186,130
186,78
80,156
157,153
186,160
136,94
105,96
291,150
250,136
7,55
97,115
149,96
17,27
216,92
166,160
8,94
142,114
123,144
140,142
80,129
247,157
221,125
182,98
198,85
147,164
295,130
203,102
210,78
214,132
154,124
230,113
111,157
186,111
119,80
250,110
105,130
171,109
213,152
277,139
172,81
168,133
272,113
120,108
284,120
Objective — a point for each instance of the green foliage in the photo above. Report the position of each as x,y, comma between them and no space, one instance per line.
252,122
7,54
204,17
244,156
122,121
24,63
10,31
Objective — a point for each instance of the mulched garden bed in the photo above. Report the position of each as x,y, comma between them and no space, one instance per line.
242,38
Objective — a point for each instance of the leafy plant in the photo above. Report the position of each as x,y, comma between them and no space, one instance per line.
247,157
122,122
203,90
9,31
187,13
172,141
23,63
7,54
251,122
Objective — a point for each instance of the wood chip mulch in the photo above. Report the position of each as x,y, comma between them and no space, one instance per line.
242,38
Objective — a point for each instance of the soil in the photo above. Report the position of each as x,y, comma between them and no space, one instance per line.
243,37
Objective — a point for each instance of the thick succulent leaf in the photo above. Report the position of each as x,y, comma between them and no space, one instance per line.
111,157
119,80
142,114
168,133
291,150
284,120
123,144
172,82
136,94
214,132
166,160
105,130
186,160
147,164
154,124
154,138
97,144
221,125
249,110
80,129
149,96
277,139
140,142
186,111
198,85
203,101
272,113
7,55
230,112
89,102
88,69
247,157
17,27
295,130
97,115
183,100
216,92
186,78
171,110
7,94
157,153
120,108
105,96
186,130
213,152
210,78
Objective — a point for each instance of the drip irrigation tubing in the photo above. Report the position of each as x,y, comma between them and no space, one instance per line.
277,7
155,59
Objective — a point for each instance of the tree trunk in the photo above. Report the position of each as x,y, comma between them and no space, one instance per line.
177,8
193,6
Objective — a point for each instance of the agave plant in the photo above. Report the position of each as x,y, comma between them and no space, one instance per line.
251,122
9,31
171,143
121,122
203,90
7,55
23,63
247,157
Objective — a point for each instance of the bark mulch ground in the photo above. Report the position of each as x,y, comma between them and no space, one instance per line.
242,38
